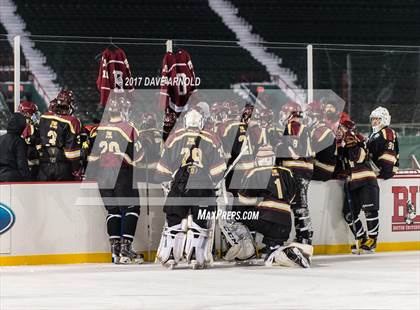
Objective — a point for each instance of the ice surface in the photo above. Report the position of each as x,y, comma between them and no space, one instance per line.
379,281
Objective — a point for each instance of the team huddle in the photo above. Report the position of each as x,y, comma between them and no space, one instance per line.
226,157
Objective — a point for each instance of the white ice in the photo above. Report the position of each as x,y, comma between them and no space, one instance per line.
379,281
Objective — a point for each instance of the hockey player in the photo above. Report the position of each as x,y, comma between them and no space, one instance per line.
193,162
59,133
270,190
152,142
383,144
238,139
115,153
361,187
322,143
31,135
294,152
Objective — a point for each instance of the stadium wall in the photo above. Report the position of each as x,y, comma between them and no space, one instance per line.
60,223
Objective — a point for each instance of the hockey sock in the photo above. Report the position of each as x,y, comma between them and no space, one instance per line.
131,217
113,223
372,223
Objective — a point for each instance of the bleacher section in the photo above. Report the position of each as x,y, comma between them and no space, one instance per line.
75,63
390,79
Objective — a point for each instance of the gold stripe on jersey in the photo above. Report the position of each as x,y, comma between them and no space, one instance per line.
161,168
267,168
324,135
388,157
297,164
247,200
72,154
111,128
148,166
275,205
326,167
362,175
362,156
230,126
194,134
218,169
57,118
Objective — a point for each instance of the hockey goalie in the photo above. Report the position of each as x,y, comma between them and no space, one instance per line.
192,161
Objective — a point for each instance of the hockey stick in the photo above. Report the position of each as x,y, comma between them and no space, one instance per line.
350,204
229,169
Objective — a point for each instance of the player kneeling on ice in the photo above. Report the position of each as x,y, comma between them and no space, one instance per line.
268,189
193,162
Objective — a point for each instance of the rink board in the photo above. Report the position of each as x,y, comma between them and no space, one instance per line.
59,223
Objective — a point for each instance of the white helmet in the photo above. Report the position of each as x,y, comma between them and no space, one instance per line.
383,115
204,109
265,156
193,119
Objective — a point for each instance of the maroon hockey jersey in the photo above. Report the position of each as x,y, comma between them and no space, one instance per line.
117,145
178,81
113,72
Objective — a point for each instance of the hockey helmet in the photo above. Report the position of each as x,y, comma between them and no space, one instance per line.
379,118
290,110
27,108
148,120
193,119
65,102
265,156
247,113
204,109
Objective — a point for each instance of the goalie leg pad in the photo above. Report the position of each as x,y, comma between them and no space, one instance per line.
239,237
172,242
199,245
292,255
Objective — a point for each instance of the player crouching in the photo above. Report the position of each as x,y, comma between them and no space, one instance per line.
269,190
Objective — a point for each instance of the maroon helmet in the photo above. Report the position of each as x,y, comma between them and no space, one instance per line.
65,102
247,113
27,108
169,119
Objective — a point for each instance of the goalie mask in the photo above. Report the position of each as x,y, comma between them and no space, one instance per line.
379,118
193,119
265,156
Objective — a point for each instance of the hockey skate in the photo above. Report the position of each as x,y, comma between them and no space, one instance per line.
356,248
368,246
128,255
115,250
